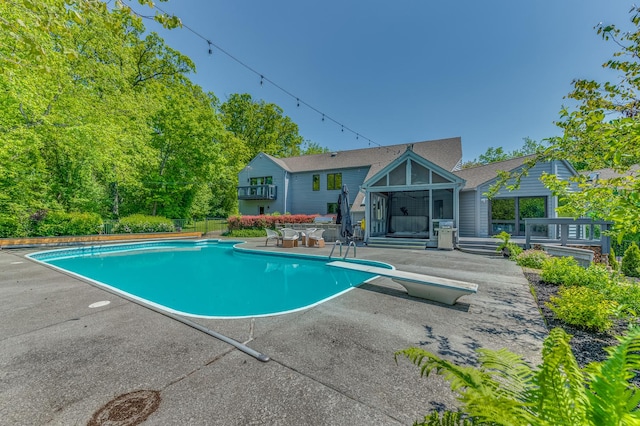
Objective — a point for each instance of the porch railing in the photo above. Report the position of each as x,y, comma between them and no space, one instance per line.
257,192
565,231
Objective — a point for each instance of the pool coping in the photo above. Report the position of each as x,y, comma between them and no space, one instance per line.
24,242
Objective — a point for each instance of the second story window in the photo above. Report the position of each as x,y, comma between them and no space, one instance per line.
266,180
334,181
316,182
258,182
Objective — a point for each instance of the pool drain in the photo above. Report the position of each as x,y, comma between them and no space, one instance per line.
129,409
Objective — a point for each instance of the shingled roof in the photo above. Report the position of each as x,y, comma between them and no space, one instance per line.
476,176
446,153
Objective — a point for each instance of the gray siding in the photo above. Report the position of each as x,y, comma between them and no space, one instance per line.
530,186
262,166
308,201
467,218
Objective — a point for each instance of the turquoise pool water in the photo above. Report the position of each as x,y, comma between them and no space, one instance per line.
209,279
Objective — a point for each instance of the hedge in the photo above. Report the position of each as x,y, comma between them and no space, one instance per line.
45,223
266,221
138,223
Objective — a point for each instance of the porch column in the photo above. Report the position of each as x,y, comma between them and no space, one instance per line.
367,215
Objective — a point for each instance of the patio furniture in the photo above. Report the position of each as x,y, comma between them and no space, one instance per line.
272,235
289,237
315,239
304,235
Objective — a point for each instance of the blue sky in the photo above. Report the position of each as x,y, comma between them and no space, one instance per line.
492,72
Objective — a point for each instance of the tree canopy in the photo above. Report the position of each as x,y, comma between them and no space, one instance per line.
261,126
602,131
99,116
493,155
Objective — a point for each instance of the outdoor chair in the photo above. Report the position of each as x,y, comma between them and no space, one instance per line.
289,237
272,235
304,235
315,238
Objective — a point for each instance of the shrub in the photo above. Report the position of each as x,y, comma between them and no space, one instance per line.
246,233
597,277
613,263
631,261
509,249
505,390
557,270
45,223
11,227
266,221
532,258
84,224
141,223
583,307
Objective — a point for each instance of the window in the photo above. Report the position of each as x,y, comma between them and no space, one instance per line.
332,208
334,181
258,182
398,176
316,182
265,180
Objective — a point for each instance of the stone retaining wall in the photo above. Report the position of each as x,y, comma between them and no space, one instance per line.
81,239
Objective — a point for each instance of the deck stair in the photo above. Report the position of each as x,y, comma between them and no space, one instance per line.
400,243
482,246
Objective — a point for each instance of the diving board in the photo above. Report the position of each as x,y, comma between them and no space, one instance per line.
438,289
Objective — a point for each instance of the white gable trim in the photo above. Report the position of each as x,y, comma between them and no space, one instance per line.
409,154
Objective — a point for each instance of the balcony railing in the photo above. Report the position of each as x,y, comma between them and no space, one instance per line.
257,192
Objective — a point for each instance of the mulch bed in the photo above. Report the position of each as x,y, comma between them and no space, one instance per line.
587,345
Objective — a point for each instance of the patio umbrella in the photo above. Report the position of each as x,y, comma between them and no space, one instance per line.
346,228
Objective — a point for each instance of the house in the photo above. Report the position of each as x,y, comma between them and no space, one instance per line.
403,191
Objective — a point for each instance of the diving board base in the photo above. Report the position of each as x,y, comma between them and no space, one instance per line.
428,287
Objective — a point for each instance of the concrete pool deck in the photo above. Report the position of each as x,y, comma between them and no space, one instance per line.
61,361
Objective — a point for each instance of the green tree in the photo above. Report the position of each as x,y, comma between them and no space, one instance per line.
309,148
493,155
631,261
96,116
602,131
261,126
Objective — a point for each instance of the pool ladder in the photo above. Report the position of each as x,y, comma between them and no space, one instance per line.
346,253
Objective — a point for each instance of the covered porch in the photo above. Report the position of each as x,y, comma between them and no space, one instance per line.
409,200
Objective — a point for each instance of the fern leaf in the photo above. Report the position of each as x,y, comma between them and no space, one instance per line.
560,396
612,397
448,418
514,375
483,397
458,377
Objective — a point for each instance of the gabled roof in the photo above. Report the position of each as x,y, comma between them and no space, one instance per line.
610,173
445,153
476,176
409,153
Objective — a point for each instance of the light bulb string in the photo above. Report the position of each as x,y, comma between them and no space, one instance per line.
263,79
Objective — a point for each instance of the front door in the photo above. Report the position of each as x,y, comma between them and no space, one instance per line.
378,225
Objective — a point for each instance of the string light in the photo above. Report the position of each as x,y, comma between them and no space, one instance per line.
274,84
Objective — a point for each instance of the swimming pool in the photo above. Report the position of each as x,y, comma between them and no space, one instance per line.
211,278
